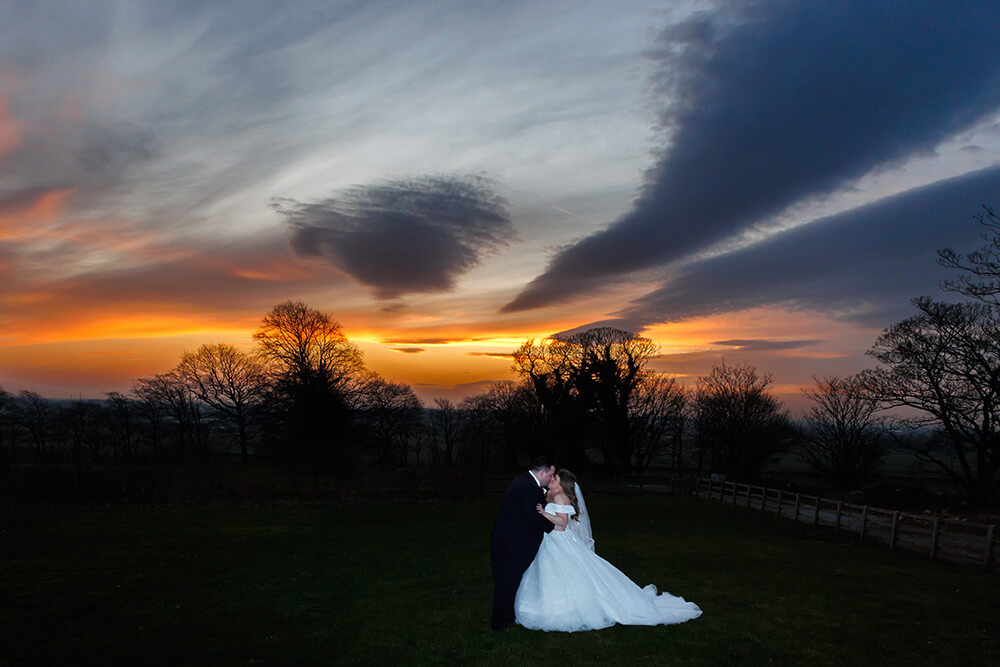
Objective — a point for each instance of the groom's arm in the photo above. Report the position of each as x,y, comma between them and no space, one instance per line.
526,504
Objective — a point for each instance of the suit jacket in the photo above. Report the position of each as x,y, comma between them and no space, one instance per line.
519,527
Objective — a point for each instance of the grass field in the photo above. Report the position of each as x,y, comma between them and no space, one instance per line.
410,584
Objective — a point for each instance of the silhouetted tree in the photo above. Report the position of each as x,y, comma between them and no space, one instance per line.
550,368
228,380
657,418
944,364
306,346
612,366
740,423
479,432
392,411
445,421
843,437
122,425
423,437
982,278
153,410
81,422
181,409
315,373
36,416
516,412
583,384
6,417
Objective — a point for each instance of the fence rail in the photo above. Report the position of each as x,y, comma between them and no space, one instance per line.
941,538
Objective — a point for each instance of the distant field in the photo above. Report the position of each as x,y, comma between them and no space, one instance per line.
896,462
410,583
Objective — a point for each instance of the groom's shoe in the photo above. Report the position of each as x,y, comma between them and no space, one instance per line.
498,624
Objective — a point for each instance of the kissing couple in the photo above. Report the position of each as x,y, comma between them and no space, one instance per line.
546,575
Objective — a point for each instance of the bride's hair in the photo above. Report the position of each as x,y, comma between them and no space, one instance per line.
567,481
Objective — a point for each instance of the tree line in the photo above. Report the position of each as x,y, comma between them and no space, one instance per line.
587,399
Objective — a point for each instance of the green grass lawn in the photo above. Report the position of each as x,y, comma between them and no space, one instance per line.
410,583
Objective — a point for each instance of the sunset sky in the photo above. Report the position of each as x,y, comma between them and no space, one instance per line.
761,183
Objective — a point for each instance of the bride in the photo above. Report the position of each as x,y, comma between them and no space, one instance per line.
568,587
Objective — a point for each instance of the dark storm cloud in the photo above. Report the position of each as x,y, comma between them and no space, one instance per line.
401,237
759,345
862,265
785,102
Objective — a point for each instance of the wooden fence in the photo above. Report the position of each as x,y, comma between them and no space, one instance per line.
941,538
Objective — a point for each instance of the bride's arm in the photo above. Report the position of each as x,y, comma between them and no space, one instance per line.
559,520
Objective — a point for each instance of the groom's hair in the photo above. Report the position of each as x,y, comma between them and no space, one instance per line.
541,463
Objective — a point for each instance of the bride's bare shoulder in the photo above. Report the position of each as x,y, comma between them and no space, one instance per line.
561,499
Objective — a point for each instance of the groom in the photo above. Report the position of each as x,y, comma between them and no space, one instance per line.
516,535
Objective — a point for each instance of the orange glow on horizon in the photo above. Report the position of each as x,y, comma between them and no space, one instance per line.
129,327
62,345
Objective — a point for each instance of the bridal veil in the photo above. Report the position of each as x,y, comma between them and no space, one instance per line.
581,528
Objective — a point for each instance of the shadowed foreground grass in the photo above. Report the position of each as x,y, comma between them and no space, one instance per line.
410,583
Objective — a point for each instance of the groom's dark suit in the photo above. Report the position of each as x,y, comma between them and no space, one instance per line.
516,535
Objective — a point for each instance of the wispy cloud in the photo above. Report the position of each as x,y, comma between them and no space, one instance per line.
760,345
429,341
497,355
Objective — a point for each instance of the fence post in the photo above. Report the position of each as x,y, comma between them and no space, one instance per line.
763,498
934,536
989,547
797,498
735,486
840,505
748,495
780,498
892,536
816,513
864,518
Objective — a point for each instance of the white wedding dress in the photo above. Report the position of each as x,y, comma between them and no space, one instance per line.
568,587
